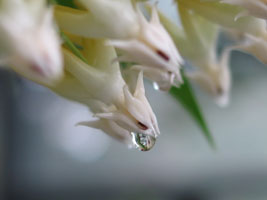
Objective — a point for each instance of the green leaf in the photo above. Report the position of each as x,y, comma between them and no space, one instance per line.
68,3
72,47
186,97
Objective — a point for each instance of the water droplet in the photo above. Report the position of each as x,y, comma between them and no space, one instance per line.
155,86
143,142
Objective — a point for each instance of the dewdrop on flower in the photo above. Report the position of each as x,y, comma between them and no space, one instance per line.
119,112
30,44
118,123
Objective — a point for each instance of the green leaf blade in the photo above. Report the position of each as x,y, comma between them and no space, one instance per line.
68,3
186,97
72,47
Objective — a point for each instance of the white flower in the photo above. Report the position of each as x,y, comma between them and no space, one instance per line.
134,112
197,43
256,46
146,43
215,79
226,16
154,49
30,44
121,112
212,74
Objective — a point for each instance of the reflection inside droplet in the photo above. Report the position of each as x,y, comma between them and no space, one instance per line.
155,86
143,142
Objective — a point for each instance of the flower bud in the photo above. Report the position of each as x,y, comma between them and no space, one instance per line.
30,42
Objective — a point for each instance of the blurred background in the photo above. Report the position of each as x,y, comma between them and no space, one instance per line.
43,156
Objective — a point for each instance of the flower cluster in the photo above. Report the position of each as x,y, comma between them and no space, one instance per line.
202,21
98,35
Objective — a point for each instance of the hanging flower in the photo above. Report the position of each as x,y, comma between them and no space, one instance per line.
197,44
30,44
215,79
228,16
120,112
253,45
154,49
142,42
225,16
